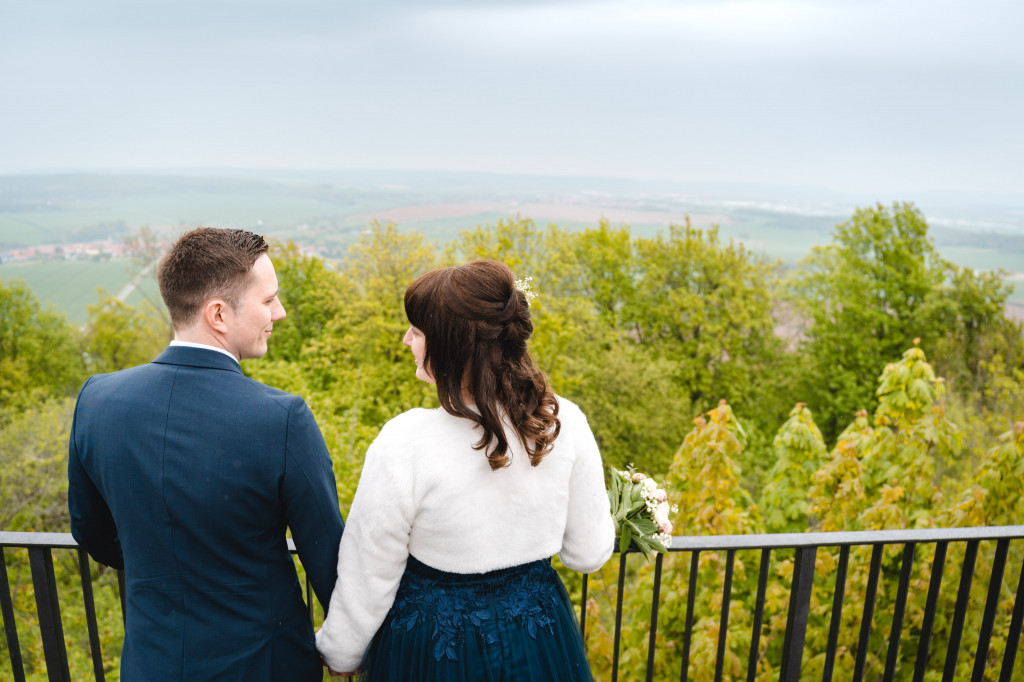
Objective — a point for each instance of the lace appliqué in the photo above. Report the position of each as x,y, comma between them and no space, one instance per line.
522,595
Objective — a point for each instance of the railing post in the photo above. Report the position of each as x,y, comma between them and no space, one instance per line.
837,614
48,608
654,616
956,627
898,610
309,600
723,628
934,585
863,641
618,616
10,626
121,595
755,632
583,608
90,615
691,595
991,604
1013,636
799,609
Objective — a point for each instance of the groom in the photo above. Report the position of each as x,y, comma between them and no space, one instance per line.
187,474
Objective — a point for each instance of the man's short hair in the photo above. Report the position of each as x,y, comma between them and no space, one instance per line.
206,263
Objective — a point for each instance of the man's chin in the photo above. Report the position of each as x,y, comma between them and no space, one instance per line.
255,353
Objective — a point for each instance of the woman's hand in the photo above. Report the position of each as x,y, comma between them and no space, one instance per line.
335,673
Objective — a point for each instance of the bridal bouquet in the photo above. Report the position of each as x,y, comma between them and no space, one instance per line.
640,508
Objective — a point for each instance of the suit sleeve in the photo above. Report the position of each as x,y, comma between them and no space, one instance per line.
92,524
589,536
310,498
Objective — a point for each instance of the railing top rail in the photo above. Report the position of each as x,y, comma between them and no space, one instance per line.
53,540
690,543
22,539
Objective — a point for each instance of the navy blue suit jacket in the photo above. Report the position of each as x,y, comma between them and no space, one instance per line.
186,473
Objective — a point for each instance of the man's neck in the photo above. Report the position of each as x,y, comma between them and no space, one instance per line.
198,340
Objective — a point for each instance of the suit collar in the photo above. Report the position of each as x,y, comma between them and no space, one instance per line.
197,357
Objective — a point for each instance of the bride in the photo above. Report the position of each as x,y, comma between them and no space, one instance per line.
444,567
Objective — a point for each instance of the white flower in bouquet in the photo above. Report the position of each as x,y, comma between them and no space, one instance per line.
661,515
641,511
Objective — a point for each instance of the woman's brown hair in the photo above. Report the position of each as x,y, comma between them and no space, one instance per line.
476,323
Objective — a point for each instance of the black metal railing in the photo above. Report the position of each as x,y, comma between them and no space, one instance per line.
40,548
805,547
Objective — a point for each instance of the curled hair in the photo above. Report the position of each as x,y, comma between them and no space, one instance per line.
206,263
476,324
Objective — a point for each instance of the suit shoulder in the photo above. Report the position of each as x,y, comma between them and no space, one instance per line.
274,398
270,392
118,380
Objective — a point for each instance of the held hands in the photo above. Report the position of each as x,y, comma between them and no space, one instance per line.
335,673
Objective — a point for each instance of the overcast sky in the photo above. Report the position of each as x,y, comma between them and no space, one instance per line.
893,95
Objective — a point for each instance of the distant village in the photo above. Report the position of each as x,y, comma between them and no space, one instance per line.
100,249
95,250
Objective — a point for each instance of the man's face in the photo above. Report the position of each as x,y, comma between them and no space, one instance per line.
249,327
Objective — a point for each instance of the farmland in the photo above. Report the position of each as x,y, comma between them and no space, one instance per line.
329,214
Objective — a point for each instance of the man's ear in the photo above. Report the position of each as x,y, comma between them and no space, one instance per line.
215,313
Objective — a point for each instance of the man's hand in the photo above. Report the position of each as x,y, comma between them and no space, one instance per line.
335,673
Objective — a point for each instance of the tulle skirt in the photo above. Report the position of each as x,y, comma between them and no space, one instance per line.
503,626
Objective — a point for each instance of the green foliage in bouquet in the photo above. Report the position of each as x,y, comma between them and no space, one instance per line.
641,510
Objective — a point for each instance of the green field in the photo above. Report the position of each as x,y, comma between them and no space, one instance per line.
37,210
72,285
60,209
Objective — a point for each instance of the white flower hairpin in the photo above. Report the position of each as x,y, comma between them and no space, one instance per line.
524,286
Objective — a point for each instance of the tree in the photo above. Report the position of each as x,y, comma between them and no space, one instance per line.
837,488
636,411
968,309
33,464
912,438
312,293
119,336
799,452
707,307
39,355
877,286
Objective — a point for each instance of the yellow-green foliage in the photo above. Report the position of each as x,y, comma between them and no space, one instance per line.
799,452
647,335
911,436
837,488
703,481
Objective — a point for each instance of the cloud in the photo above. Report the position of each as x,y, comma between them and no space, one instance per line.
836,92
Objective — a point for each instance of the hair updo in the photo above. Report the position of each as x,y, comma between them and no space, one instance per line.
476,324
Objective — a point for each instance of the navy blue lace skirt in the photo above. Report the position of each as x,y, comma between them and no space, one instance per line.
504,626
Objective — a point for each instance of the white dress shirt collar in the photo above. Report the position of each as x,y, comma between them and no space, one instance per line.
189,344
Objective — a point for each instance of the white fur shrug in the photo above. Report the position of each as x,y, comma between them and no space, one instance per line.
425,491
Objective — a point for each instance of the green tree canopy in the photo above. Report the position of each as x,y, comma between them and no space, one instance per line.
39,354
118,336
880,284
